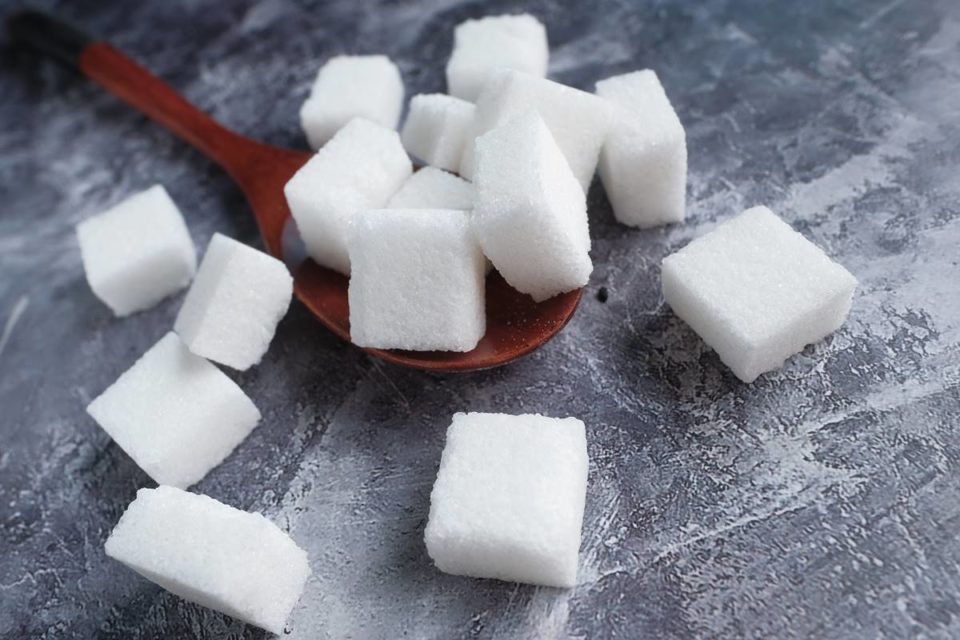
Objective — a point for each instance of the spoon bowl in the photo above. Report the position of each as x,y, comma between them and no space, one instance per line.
516,325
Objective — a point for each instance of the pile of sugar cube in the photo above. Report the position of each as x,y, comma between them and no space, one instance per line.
509,157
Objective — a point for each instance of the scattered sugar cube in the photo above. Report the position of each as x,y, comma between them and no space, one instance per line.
530,213
231,312
360,168
757,291
417,281
204,551
509,497
436,129
138,252
480,46
175,414
578,120
348,87
644,160
431,188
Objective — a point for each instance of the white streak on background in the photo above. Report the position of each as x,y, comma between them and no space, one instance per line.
18,308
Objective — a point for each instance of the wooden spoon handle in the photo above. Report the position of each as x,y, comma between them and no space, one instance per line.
136,86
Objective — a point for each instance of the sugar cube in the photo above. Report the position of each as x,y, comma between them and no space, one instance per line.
436,129
417,281
643,164
204,551
509,498
482,45
360,168
348,87
578,120
431,188
231,312
137,252
530,214
757,291
175,414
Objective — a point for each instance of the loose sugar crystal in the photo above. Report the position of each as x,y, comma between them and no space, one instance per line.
204,551
530,213
644,160
480,46
757,291
578,120
348,87
360,168
175,414
436,129
431,188
138,252
417,281
231,312
509,498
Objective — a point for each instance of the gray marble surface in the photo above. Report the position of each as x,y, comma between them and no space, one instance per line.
821,501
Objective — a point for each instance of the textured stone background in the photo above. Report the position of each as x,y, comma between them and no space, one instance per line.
821,501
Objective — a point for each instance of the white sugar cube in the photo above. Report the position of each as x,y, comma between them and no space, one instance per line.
644,160
204,551
436,129
480,46
431,188
360,168
138,252
231,312
509,497
578,120
175,414
417,281
530,213
757,291
349,87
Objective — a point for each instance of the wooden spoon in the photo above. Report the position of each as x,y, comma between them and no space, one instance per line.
516,325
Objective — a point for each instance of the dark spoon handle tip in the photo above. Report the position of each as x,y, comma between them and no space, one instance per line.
49,35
